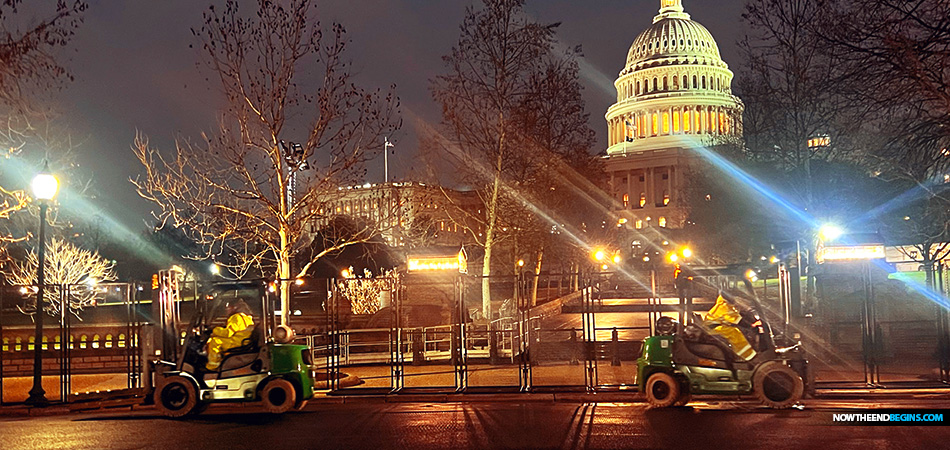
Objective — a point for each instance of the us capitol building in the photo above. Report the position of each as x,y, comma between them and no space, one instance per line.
673,95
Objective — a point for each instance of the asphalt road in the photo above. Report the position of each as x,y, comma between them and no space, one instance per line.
476,425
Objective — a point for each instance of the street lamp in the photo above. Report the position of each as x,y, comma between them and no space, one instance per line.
44,186
830,232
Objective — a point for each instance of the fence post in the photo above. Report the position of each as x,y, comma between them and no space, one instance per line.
418,347
574,348
615,347
492,345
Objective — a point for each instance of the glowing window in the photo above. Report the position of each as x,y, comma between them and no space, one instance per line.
662,222
676,122
643,199
656,125
626,200
666,123
638,224
686,121
666,198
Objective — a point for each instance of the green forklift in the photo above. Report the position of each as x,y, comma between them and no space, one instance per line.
729,351
266,367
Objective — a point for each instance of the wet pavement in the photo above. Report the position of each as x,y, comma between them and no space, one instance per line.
494,423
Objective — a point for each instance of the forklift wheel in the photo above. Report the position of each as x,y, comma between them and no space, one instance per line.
177,397
662,390
777,385
684,397
279,396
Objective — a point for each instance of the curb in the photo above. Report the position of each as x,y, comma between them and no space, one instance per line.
33,411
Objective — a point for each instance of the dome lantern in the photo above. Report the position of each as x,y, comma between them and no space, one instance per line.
671,9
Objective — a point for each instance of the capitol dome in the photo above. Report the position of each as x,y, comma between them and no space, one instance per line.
674,94
673,39
674,88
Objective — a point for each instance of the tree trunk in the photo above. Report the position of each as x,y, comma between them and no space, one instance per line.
491,210
283,271
537,278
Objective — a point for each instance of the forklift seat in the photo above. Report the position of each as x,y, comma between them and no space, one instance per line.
245,354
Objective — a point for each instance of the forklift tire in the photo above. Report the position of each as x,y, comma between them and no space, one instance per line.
777,385
177,397
684,397
662,390
279,396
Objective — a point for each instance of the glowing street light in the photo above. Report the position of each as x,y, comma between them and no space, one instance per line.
45,186
830,232
687,253
599,255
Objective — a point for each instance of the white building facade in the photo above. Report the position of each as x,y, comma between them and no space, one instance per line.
673,95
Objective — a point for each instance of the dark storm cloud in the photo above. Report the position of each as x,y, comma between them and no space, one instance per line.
134,69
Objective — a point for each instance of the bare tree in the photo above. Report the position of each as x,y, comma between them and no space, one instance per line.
488,78
553,160
67,267
791,86
29,71
898,55
283,78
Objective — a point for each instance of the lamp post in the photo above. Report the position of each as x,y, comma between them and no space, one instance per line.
386,145
44,186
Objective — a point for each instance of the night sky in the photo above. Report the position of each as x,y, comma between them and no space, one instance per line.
134,70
